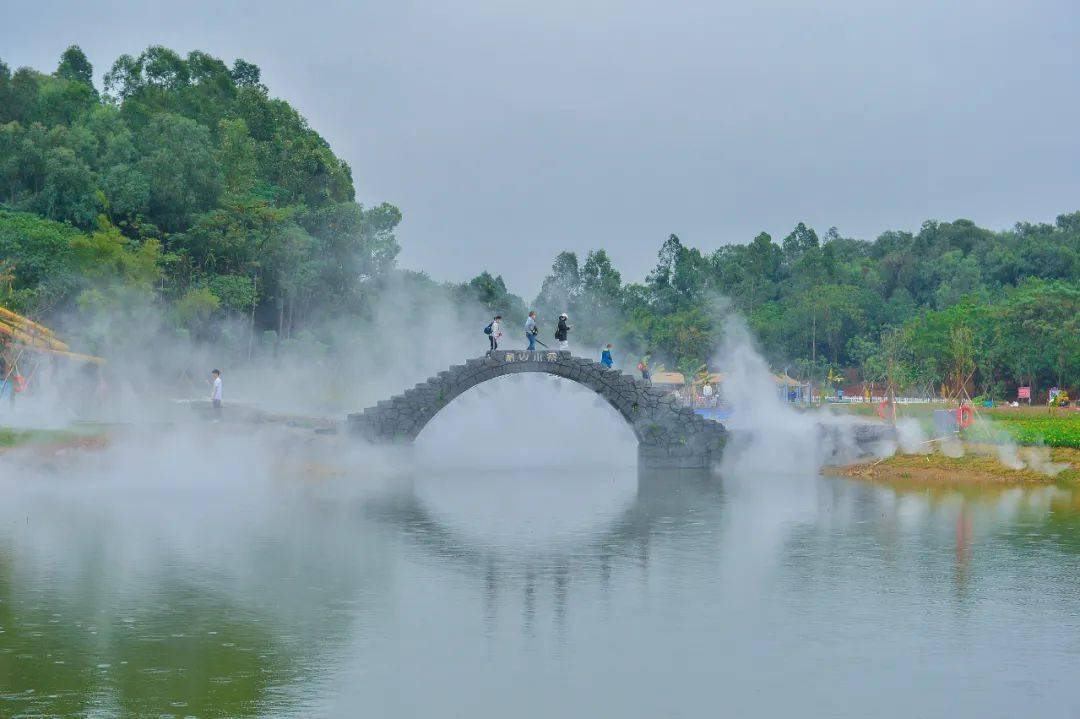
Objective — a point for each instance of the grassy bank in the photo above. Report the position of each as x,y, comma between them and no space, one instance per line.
11,438
979,466
1057,427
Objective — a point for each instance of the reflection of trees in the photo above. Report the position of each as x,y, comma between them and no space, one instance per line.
196,653
1058,525
668,503
217,638
919,530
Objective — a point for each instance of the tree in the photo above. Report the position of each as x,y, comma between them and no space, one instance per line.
801,240
236,154
680,276
599,278
237,293
246,74
127,193
69,193
561,288
75,67
177,158
194,310
1041,330
491,293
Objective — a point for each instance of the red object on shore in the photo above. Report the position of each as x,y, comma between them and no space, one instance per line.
884,411
965,415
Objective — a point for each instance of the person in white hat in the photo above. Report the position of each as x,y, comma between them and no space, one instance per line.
562,333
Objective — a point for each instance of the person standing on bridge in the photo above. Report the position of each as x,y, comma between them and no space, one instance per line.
562,333
494,332
643,368
605,357
531,330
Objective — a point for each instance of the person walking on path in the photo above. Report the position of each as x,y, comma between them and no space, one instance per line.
707,394
562,333
531,330
215,392
494,332
643,368
605,357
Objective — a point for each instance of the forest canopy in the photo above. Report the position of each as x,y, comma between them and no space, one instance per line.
1003,307
185,186
233,200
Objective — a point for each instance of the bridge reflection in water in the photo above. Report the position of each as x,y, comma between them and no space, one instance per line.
666,503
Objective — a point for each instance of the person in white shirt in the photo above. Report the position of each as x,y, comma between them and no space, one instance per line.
215,393
495,332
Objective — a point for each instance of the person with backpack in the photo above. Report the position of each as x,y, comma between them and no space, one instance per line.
605,357
531,330
562,333
494,332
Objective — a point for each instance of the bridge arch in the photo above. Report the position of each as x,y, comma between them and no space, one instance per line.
667,434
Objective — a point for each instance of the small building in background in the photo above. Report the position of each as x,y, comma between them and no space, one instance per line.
668,380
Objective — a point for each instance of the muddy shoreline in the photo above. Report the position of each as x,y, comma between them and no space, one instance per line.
977,467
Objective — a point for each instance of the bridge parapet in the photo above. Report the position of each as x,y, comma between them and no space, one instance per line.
668,435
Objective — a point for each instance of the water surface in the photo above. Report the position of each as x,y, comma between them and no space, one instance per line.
538,593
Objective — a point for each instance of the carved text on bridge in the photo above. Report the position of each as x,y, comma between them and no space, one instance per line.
527,356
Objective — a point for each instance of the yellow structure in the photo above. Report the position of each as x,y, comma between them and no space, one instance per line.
38,338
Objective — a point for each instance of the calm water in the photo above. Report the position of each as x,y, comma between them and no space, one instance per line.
582,593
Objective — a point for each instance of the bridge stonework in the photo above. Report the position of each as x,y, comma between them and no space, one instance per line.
668,434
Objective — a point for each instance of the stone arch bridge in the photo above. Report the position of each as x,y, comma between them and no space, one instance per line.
668,434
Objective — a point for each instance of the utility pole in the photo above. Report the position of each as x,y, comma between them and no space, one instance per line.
813,349
251,329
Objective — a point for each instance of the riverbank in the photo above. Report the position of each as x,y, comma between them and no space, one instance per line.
92,435
979,465
51,439
1050,426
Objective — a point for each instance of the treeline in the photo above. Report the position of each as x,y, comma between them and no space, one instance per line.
185,182
185,192
953,304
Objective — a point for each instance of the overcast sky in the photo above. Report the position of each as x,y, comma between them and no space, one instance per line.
508,131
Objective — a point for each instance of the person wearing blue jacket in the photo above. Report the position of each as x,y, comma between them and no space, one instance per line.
605,357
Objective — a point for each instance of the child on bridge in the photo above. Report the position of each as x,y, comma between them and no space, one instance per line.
494,332
605,357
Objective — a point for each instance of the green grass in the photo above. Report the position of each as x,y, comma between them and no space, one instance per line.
11,437
1025,425
18,437
1051,431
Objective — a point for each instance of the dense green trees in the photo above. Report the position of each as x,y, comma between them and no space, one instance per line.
245,207
905,304
186,189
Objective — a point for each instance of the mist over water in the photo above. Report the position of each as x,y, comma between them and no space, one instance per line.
207,576
514,562
768,434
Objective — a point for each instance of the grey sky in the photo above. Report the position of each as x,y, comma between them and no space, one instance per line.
508,131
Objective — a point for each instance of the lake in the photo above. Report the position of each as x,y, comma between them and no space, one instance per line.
306,590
